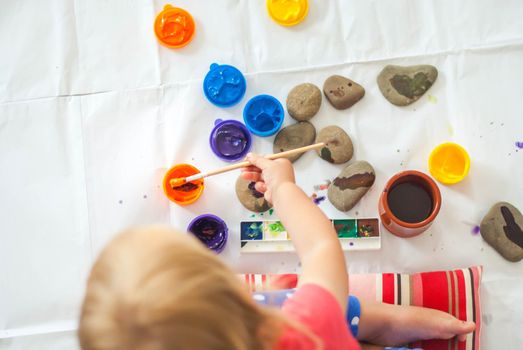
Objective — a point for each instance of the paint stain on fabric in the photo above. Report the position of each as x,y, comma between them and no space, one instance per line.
355,181
271,211
450,129
475,230
519,144
432,99
323,186
318,200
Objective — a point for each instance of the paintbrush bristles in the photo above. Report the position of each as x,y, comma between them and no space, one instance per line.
177,182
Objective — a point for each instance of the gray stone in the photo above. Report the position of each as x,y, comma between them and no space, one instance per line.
250,198
351,185
502,228
304,101
293,136
338,145
405,85
342,92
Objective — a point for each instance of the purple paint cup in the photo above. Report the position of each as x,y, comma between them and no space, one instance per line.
230,140
210,230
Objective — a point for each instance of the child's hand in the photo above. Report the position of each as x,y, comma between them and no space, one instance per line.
269,175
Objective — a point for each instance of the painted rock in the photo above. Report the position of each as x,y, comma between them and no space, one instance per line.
502,228
250,198
351,185
293,136
338,145
405,85
342,92
304,101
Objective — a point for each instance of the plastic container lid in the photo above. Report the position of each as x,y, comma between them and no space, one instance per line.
187,193
263,115
174,27
210,230
224,85
288,13
230,140
449,163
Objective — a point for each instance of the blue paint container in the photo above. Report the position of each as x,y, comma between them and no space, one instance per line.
263,115
224,85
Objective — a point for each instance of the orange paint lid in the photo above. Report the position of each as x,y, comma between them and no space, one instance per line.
174,27
187,193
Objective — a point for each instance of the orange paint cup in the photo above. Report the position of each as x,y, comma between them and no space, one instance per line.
174,27
187,193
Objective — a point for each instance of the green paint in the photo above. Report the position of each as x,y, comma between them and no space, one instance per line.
271,211
346,228
253,215
326,154
411,87
432,99
276,227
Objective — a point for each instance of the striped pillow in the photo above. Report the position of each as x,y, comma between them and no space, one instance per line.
455,292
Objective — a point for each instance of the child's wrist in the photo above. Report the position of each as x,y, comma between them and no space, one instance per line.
281,188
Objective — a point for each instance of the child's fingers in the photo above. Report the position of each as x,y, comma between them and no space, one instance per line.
260,187
260,162
252,169
251,176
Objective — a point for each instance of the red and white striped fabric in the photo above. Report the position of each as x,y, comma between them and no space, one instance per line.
455,292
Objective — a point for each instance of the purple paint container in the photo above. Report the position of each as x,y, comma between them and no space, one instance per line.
210,230
230,140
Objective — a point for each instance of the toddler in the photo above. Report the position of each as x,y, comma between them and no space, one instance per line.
155,289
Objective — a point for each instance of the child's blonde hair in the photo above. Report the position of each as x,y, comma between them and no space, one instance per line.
155,288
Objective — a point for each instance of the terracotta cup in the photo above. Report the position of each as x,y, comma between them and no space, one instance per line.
401,228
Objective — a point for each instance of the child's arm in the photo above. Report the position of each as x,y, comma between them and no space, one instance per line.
311,231
390,325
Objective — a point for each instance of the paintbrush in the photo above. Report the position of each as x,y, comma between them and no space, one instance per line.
182,180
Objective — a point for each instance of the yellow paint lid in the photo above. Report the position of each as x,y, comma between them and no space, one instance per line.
449,163
288,12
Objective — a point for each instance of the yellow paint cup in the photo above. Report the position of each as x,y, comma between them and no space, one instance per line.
288,12
449,163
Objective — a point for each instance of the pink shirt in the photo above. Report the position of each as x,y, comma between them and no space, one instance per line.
318,310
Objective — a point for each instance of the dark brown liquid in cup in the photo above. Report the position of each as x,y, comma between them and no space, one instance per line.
410,202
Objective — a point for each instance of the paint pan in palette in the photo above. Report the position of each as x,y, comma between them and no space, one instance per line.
271,236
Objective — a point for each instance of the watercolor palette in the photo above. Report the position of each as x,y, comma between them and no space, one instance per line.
271,236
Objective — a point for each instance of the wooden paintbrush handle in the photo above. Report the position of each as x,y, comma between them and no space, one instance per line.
269,156
295,151
174,182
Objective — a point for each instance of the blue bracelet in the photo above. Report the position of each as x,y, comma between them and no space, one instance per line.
353,315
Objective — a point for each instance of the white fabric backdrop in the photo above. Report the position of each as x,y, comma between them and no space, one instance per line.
93,111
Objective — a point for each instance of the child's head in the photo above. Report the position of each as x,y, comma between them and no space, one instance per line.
154,289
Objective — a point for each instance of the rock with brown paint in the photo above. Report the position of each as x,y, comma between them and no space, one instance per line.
250,198
502,228
293,136
351,185
405,85
338,145
304,101
342,92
